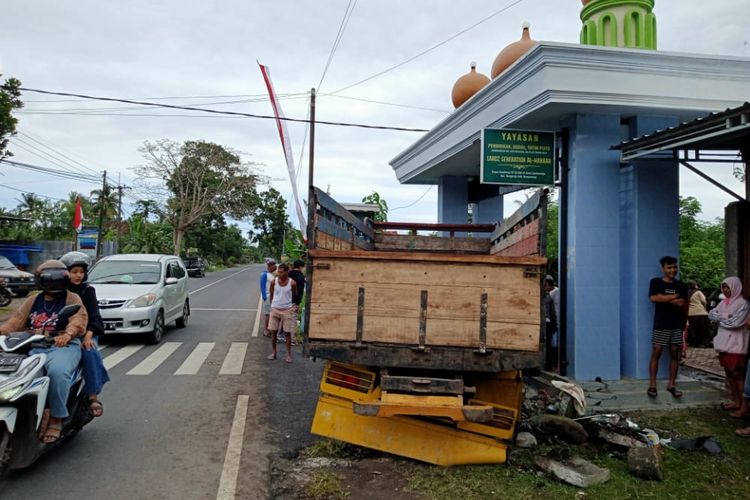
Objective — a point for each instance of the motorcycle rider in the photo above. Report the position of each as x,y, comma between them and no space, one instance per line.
94,373
63,357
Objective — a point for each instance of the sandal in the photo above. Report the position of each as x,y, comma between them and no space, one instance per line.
744,432
674,392
729,406
271,356
52,433
96,407
651,392
288,359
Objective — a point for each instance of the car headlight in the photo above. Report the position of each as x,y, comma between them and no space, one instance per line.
143,301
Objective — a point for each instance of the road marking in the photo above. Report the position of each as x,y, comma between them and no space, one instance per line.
194,362
257,316
121,355
215,309
228,481
235,359
156,358
218,281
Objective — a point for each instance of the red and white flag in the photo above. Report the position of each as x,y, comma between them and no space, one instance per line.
285,144
78,217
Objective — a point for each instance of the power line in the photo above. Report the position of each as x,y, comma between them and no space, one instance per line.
414,202
51,171
181,97
337,40
220,112
45,157
430,49
29,192
385,103
56,151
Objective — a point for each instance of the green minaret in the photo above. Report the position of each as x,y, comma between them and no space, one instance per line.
619,23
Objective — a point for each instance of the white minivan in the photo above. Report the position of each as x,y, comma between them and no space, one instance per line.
141,293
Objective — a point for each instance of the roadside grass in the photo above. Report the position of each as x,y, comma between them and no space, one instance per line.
688,474
326,485
328,448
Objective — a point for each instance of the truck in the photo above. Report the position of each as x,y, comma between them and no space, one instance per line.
424,336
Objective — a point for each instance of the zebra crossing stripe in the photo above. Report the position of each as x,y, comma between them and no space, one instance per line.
121,355
194,362
235,359
156,358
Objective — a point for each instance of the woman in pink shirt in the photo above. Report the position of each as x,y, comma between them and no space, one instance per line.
731,341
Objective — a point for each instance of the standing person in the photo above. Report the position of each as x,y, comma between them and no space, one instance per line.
698,326
551,322
266,278
731,341
52,278
299,278
670,314
94,373
282,290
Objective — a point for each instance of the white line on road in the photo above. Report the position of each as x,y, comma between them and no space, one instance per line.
228,481
215,309
194,362
156,358
257,316
219,281
235,359
121,355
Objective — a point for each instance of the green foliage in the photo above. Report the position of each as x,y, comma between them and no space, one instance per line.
701,246
10,100
294,245
271,223
326,485
147,237
212,239
375,199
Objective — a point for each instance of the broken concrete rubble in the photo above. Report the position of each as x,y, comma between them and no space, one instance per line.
575,471
646,463
555,426
525,440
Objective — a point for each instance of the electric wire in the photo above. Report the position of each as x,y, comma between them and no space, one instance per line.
56,150
385,103
337,40
29,192
51,171
220,112
179,97
414,202
56,160
46,158
430,49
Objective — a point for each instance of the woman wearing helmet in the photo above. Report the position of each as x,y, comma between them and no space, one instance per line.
63,357
94,373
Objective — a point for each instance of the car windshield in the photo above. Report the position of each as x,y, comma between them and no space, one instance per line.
192,261
6,264
126,272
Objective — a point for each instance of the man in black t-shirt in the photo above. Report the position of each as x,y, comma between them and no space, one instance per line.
670,296
298,276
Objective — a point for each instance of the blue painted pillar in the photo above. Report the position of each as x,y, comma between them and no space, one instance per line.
593,248
489,210
649,206
453,200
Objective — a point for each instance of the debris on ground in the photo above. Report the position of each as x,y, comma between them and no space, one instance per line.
525,440
616,430
705,443
556,427
574,470
576,396
646,463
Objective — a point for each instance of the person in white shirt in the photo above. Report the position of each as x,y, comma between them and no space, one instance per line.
283,289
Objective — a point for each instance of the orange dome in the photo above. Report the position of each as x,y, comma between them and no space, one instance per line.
468,85
513,52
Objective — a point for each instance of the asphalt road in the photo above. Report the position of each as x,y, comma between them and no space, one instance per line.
198,416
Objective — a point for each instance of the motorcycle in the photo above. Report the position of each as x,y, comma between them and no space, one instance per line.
23,395
5,294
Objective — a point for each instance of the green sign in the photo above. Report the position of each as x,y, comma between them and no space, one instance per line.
517,157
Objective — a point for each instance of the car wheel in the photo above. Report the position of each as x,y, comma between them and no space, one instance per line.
158,332
183,321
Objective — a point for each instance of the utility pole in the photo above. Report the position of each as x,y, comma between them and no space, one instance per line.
311,170
101,216
120,188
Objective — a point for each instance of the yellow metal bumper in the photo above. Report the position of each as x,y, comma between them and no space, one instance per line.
405,436
391,405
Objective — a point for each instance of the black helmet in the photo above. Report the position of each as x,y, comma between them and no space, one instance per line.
73,259
52,277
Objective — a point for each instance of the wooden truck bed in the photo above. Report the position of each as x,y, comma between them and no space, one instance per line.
448,304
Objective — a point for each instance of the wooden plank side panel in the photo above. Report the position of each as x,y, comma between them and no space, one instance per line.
440,332
426,274
443,302
406,242
491,260
392,303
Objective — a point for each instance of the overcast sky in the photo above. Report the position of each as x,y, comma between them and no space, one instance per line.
147,49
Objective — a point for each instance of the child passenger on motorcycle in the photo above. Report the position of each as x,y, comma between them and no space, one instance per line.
52,279
94,373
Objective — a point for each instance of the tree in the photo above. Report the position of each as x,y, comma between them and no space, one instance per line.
195,179
271,222
702,256
375,199
10,100
109,197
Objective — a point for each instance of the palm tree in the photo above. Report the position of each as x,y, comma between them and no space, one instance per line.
30,204
108,197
